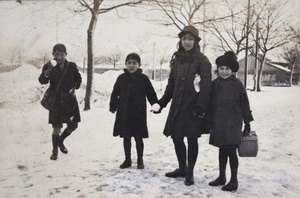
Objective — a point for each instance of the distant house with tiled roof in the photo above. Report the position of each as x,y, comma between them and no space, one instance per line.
274,73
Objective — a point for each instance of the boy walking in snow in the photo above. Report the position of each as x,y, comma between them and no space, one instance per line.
128,99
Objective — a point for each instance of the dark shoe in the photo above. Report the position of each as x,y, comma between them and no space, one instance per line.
140,164
189,179
176,173
62,148
218,182
126,164
231,186
61,145
55,139
53,156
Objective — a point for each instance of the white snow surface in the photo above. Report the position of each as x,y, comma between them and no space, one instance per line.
91,168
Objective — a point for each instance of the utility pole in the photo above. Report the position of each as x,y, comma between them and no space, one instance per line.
204,11
153,66
256,56
247,38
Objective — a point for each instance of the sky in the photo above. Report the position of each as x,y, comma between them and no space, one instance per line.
33,27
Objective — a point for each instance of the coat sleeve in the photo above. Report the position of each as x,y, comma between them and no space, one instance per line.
77,77
113,104
244,100
42,77
205,83
150,92
168,94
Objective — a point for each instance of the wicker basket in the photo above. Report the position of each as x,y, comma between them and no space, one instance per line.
248,145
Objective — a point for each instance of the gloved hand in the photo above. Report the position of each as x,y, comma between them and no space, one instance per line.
198,112
247,129
112,110
156,108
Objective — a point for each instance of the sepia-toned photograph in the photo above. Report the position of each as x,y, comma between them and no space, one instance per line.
150,98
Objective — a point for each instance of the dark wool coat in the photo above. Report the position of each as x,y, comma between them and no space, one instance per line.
229,108
180,88
66,106
128,98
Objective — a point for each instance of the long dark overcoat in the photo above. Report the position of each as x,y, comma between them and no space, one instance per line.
180,88
128,98
229,108
66,106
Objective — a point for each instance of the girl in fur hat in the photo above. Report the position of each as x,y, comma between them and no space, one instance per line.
229,109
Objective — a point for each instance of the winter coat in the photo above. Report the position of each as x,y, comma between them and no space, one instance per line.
180,88
229,108
66,106
128,98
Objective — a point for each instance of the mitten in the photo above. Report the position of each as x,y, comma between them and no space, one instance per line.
156,108
112,110
247,129
198,112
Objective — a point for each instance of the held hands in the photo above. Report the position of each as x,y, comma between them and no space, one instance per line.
247,129
156,108
198,112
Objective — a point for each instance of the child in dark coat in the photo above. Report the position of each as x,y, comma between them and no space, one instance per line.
229,109
66,110
128,99
189,101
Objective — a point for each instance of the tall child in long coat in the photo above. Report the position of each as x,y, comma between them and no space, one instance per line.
229,109
66,107
128,98
188,106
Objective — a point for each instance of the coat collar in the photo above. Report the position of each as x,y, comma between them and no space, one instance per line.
138,72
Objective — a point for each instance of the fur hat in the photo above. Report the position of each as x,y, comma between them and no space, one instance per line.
133,56
190,29
59,47
229,59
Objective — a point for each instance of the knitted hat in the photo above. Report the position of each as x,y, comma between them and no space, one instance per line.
133,56
190,29
229,59
59,47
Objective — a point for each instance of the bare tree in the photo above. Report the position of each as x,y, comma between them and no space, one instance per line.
114,57
273,32
292,55
232,32
97,7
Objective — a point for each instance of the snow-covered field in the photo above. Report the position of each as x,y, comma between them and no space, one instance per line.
91,168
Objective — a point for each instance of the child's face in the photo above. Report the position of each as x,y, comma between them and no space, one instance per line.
59,56
187,41
224,72
132,65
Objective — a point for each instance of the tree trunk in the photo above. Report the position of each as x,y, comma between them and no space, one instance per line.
291,75
90,61
260,73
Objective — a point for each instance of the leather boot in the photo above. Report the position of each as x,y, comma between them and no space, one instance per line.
61,145
55,139
140,163
233,183
189,178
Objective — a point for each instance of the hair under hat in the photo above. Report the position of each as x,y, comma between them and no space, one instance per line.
190,29
59,47
229,59
133,56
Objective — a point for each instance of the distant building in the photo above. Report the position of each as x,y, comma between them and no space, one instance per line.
274,73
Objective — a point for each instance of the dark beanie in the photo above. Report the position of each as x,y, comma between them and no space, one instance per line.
190,29
229,59
59,47
133,56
